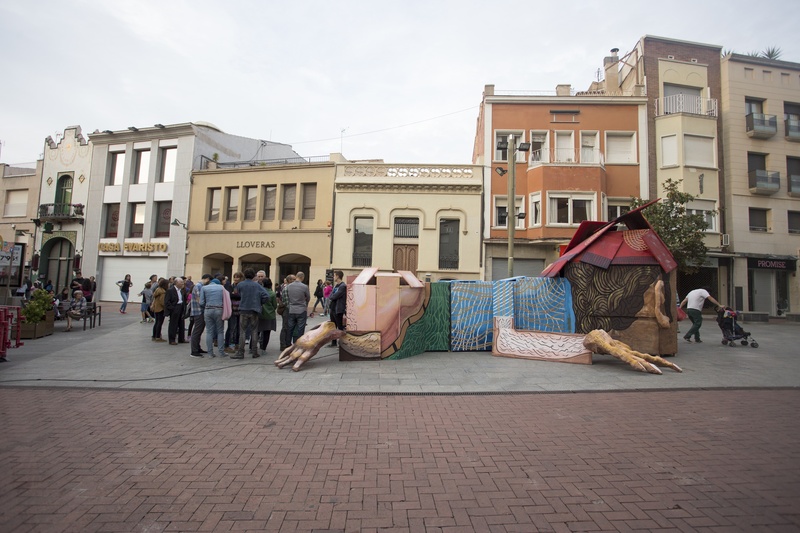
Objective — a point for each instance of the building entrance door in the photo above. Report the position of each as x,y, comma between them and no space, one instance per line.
762,292
405,257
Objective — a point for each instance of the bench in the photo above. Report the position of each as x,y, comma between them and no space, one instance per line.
94,314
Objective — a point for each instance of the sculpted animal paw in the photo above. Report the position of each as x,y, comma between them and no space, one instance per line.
308,345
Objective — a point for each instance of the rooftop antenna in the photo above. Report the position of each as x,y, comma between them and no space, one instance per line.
341,139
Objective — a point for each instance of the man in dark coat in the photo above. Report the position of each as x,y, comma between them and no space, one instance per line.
174,308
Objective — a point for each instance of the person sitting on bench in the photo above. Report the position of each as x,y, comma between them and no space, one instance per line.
77,308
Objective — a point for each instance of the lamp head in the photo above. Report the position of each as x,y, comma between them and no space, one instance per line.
501,171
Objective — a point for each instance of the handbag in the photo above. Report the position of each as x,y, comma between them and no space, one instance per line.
681,314
280,309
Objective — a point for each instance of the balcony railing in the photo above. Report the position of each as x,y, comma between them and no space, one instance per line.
792,129
60,211
760,126
794,186
448,262
764,182
684,103
566,156
362,259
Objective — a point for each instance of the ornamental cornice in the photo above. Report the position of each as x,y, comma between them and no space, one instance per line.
449,188
409,171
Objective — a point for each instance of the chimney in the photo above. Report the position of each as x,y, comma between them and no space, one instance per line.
488,90
611,67
564,89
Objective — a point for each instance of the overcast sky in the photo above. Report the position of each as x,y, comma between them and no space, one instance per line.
403,79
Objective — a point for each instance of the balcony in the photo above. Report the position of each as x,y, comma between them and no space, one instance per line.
566,156
792,129
760,126
684,103
61,212
794,186
764,182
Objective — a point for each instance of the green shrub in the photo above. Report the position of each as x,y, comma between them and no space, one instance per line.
34,311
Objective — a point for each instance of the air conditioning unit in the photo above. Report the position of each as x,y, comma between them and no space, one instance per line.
724,239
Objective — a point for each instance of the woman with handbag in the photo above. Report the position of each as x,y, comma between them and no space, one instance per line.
267,322
77,309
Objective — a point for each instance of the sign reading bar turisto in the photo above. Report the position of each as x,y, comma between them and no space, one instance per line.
255,244
133,247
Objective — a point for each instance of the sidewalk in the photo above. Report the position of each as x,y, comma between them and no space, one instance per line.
119,354
105,430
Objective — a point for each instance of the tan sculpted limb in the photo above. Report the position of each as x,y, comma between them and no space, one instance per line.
308,345
601,342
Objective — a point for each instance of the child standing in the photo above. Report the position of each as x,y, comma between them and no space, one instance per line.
147,299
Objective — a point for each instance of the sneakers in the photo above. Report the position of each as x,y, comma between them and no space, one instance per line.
255,355
697,340
230,350
237,356
687,339
196,355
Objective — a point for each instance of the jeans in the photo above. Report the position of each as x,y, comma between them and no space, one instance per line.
157,325
248,325
215,329
697,320
296,325
124,301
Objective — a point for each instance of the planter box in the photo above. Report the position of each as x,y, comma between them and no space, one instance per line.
41,329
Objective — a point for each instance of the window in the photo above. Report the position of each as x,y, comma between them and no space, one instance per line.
570,208
565,147
16,203
501,212
112,220
362,242
64,195
117,168
590,147
620,147
142,166
250,202
169,161
753,106
270,201
669,151
232,206
536,209
698,151
540,152
163,218
309,201
704,208
794,222
616,210
793,175
214,204
758,219
289,200
448,244
406,228
502,135
137,220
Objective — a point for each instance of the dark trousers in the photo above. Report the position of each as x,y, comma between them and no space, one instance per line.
338,319
158,324
176,329
197,328
286,334
232,334
264,339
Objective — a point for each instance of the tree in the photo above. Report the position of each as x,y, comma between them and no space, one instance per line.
682,232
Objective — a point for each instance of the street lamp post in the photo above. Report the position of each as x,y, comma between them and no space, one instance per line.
511,209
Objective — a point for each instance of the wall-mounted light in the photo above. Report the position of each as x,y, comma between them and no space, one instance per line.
501,171
176,222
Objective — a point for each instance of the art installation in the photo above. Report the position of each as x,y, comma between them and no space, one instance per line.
610,292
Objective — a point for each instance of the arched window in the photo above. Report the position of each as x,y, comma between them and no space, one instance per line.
63,195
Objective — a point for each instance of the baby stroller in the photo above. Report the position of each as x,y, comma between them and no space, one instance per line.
731,330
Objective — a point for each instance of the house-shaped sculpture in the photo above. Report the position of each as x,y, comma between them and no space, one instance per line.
623,281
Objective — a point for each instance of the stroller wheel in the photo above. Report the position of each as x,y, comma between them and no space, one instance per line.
754,344
732,344
724,341
744,343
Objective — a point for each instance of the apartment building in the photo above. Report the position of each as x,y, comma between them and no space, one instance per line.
274,215
681,81
761,132
19,194
140,193
425,219
580,156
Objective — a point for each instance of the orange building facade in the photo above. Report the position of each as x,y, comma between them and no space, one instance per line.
587,158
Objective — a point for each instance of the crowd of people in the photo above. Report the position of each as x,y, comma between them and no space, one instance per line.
236,315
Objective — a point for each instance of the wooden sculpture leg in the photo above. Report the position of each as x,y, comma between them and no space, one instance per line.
601,342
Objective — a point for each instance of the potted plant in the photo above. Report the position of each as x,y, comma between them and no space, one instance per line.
78,209
38,316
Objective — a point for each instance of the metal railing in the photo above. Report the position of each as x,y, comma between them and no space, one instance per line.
764,181
684,103
448,262
267,162
565,156
761,123
794,185
60,210
362,259
792,126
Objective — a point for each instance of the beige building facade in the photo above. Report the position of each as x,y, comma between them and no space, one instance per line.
761,123
275,216
422,218
19,194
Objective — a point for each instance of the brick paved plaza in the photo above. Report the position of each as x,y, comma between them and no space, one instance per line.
103,431
112,460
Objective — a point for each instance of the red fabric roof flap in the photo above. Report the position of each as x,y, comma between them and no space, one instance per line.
635,219
660,251
584,231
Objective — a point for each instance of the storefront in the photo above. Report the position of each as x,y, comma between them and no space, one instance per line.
140,260
769,282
